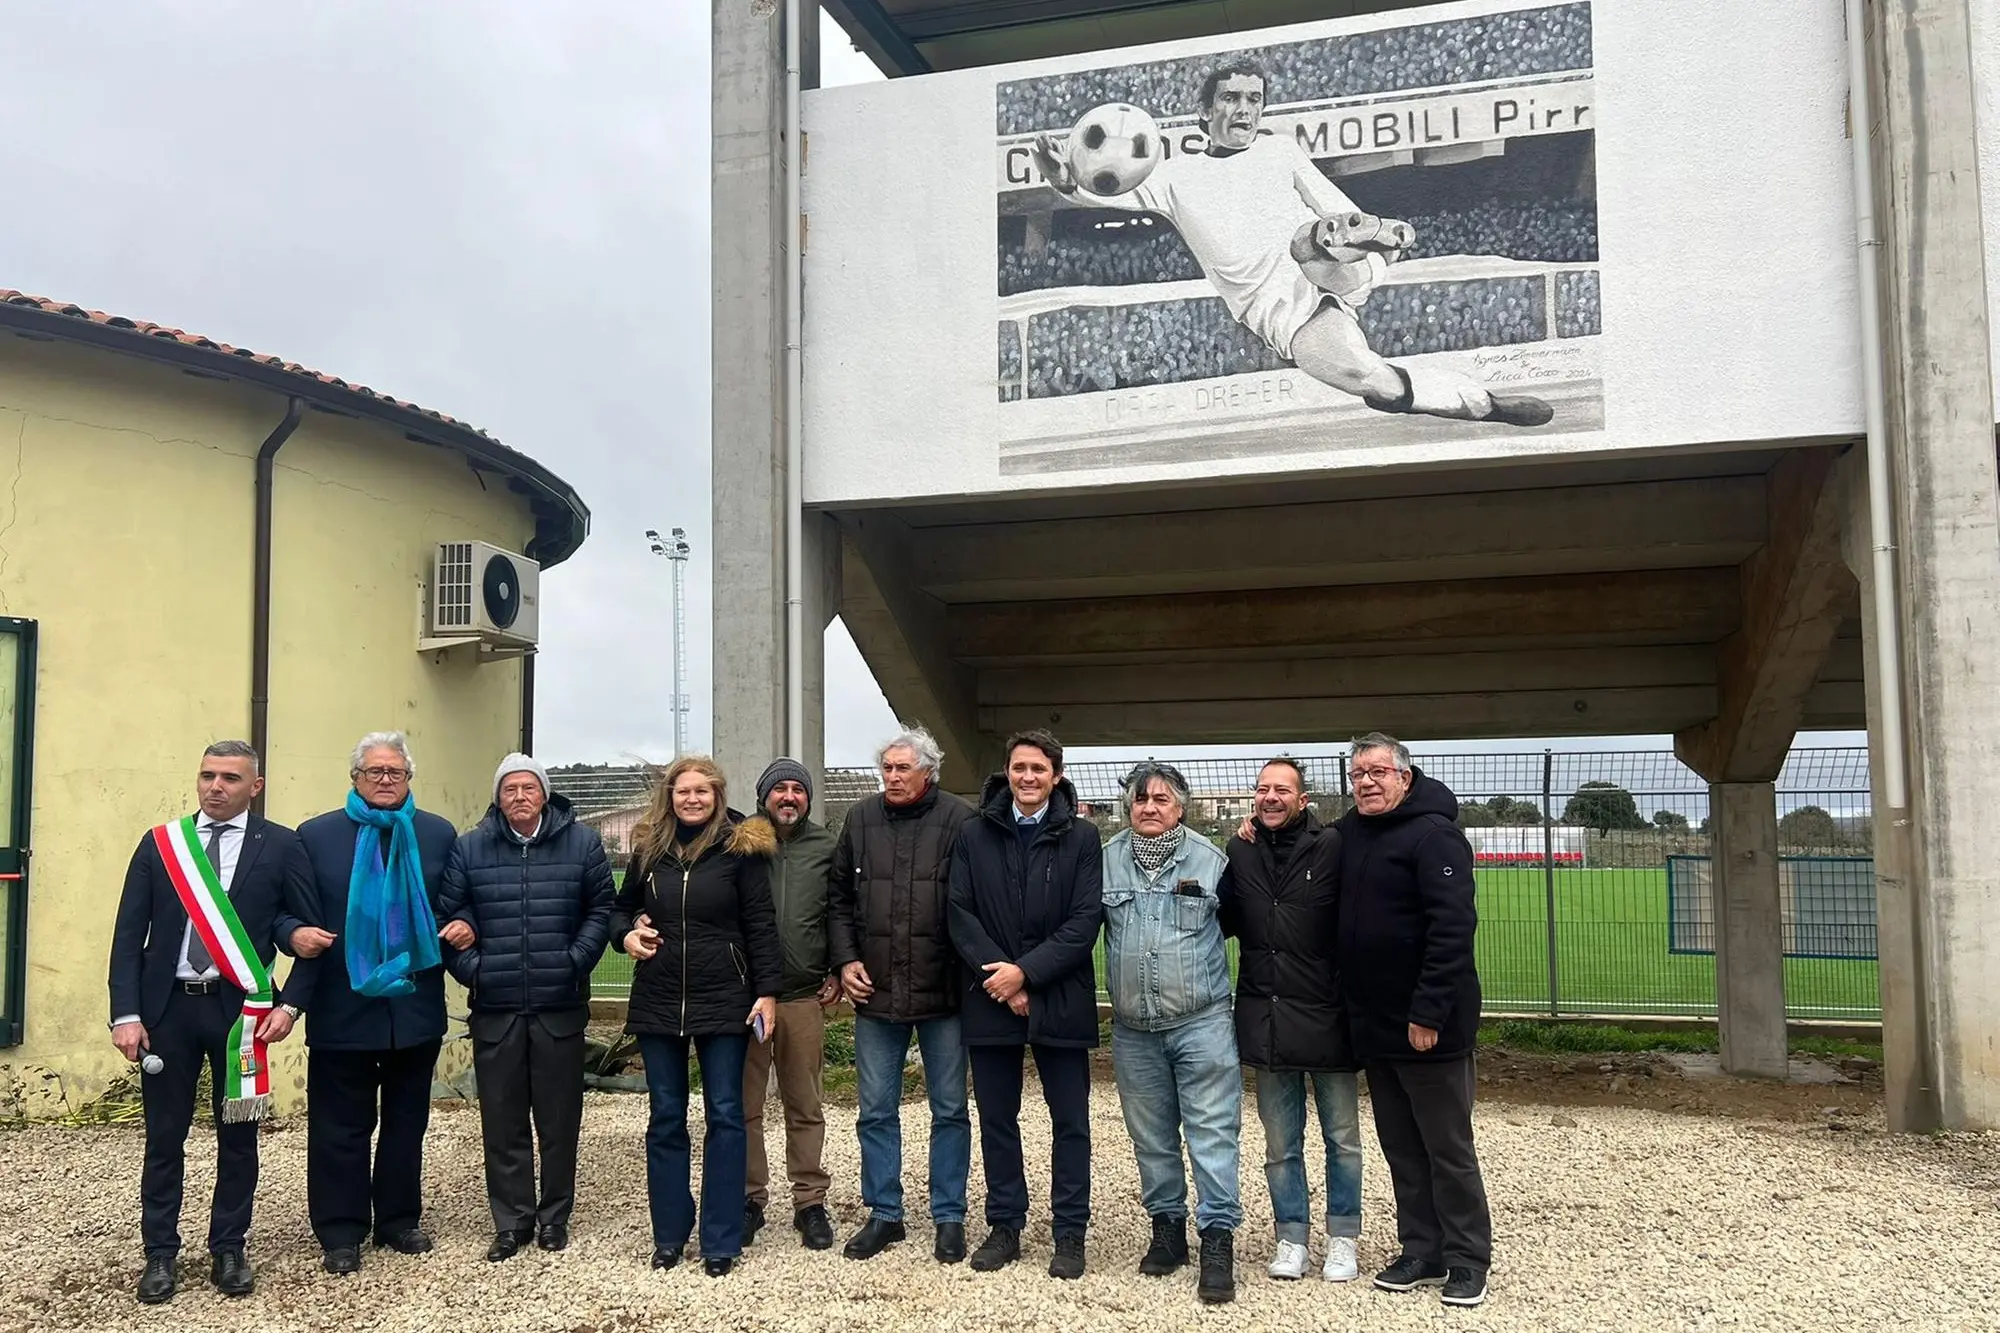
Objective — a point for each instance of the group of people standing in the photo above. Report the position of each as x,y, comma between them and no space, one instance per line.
969,929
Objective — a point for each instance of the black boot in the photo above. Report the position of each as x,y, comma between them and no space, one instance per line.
1218,1266
1169,1248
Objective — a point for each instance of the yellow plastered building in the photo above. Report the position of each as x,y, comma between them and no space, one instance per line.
131,606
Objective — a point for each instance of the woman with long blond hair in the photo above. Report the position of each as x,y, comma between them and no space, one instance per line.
695,914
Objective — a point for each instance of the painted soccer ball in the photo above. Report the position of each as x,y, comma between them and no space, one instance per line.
1113,149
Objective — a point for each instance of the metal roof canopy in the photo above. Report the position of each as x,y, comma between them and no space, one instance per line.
924,36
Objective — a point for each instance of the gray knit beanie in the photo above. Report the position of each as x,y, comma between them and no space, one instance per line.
520,763
783,770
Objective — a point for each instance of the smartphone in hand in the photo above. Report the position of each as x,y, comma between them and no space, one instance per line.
757,1026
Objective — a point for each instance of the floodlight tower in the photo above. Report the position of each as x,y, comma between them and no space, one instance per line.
676,549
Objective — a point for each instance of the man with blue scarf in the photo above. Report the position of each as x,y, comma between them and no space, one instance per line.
370,980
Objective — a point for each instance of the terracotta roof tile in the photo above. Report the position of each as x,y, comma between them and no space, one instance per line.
11,297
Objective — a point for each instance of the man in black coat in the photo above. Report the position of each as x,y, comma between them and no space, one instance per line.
1027,900
366,1051
889,937
1407,921
173,1000
536,890
1281,900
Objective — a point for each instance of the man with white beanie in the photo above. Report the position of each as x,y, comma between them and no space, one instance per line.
531,891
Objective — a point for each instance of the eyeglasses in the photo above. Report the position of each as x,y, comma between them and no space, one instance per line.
1371,774
385,774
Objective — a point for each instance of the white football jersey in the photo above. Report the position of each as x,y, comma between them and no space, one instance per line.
1238,212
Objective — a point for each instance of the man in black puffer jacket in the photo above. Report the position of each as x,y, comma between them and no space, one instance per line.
1027,901
1281,900
536,890
1407,921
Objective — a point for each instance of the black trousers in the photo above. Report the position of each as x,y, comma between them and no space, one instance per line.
345,1198
193,1030
996,1087
530,1069
1423,1120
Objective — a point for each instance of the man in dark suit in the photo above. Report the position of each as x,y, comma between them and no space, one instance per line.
368,1056
177,999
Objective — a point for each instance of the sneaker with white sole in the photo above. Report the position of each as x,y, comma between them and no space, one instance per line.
1342,1264
1464,1286
1289,1263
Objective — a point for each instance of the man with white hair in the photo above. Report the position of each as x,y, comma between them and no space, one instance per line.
535,888
889,940
1411,990
371,978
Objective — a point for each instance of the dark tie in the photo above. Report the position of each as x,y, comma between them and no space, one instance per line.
199,959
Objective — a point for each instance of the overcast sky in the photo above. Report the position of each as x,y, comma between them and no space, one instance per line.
494,208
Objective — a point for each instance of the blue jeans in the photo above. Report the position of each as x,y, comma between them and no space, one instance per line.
880,1048
1185,1078
724,1148
1281,1105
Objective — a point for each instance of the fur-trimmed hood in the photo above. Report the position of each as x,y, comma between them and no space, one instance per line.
754,835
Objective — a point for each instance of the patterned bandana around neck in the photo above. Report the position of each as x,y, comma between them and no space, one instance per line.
1153,854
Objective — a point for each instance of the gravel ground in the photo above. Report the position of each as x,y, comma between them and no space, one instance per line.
1605,1217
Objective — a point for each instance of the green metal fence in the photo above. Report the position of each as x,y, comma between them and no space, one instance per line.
1577,904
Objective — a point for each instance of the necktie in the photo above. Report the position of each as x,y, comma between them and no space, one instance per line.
199,959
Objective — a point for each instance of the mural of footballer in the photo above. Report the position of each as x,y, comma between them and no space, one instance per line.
1289,253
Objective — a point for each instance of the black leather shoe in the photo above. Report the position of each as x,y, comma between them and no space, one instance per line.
665,1259
1001,1247
815,1228
507,1244
413,1241
717,1267
753,1221
342,1260
553,1237
156,1284
874,1237
950,1245
230,1273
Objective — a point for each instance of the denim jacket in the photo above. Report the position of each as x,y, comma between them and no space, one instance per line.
1163,956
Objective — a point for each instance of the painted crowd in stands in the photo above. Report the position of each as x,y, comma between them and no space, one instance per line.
968,929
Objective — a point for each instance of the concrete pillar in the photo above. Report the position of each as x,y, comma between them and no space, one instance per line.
1948,507
1909,1082
748,234
1749,928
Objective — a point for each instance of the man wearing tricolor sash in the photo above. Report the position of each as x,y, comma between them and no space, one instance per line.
208,900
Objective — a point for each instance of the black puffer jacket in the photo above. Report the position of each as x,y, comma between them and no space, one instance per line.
1407,921
1281,900
886,904
719,947
1040,910
541,911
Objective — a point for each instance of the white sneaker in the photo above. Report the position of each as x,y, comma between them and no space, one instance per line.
1289,1263
1341,1263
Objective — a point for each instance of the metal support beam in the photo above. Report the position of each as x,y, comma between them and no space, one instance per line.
871,29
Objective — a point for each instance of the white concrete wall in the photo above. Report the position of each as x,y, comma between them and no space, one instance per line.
1724,223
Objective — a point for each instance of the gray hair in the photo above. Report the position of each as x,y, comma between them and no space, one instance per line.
1143,776
1376,740
235,750
930,757
381,740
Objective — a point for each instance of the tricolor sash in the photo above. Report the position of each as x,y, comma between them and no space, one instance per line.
247,1091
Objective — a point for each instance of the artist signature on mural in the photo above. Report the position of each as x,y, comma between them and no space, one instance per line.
1526,365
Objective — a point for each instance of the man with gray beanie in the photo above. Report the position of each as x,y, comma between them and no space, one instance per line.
531,891
799,892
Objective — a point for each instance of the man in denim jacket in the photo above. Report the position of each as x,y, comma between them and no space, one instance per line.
1173,1044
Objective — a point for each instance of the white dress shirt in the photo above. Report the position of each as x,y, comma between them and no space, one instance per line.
228,853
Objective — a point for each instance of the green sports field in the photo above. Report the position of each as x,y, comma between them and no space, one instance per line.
1611,953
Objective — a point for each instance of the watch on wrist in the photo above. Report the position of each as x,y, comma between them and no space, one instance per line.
292,1009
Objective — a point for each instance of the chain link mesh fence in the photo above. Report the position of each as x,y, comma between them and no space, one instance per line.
1593,880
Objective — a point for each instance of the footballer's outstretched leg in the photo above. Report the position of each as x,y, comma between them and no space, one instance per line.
1331,348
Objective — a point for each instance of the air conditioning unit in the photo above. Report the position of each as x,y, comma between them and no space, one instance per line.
484,594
